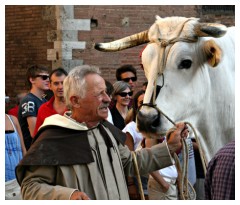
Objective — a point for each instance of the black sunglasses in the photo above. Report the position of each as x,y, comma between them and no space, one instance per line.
44,77
123,94
128,79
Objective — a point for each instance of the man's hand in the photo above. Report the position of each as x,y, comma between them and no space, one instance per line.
174,136
77,195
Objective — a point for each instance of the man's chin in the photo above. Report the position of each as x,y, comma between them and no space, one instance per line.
103,115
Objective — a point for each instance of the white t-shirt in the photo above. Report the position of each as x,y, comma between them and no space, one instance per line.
109,118
131,128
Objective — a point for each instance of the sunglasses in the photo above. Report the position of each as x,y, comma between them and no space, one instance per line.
123,94
44,77
128,79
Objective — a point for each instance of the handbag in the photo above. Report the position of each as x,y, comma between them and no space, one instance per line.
12,190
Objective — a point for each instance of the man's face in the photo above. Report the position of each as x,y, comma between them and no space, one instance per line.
41,81
56,85
94,106
130,78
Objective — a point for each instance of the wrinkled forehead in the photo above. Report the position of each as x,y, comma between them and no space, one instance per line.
95,81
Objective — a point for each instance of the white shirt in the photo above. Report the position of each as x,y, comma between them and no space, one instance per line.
131,128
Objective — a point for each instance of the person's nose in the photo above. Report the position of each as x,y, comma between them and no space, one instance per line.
60,85
106,97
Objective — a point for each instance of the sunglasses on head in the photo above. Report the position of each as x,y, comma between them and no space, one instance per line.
44,77
128,79
124,94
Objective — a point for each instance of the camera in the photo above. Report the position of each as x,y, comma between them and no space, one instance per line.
7,99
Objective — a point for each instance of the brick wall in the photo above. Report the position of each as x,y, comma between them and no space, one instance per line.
34,35
26,42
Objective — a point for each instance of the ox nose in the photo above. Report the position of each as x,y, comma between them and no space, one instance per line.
149,122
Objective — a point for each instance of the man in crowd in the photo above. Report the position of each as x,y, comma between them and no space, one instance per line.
38,80
81,155
127,73
56,104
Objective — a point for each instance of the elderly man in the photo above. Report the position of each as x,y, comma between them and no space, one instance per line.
82,156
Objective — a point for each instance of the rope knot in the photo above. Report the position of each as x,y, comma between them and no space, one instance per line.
164,43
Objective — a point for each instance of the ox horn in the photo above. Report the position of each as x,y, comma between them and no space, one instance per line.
210,29
124,43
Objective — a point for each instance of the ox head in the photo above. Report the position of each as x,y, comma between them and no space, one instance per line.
163,38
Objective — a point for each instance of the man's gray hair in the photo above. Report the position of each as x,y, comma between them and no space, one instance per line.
75,83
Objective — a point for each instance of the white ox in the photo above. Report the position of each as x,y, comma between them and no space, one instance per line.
198,64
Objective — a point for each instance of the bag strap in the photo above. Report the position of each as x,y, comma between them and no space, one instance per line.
10,118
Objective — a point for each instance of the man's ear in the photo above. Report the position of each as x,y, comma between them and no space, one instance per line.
75,100
31,79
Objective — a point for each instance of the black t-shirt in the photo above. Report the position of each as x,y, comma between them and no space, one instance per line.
28,106
118,120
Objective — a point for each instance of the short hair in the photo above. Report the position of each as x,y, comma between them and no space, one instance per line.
119,87
33,71
145,83
123,69
110,88
75,83
58,72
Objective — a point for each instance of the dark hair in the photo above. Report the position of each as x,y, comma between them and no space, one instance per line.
110,88
135,103
145,83
58,72
33,71
123,69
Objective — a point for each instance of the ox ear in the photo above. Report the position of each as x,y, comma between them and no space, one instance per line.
210,29
212,52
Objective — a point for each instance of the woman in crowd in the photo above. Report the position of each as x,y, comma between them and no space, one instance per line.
122,95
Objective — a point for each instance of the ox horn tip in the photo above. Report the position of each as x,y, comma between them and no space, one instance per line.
98,46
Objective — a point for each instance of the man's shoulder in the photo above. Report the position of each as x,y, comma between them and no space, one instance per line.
46,107
28,97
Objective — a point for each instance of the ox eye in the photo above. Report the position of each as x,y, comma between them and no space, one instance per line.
185,64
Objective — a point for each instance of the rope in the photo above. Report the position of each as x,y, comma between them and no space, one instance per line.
186,190
138,176
202,155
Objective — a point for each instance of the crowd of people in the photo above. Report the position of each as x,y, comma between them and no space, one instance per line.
79,142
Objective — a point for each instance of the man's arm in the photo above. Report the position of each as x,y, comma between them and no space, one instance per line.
158,156
37,184
31,124
156,175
